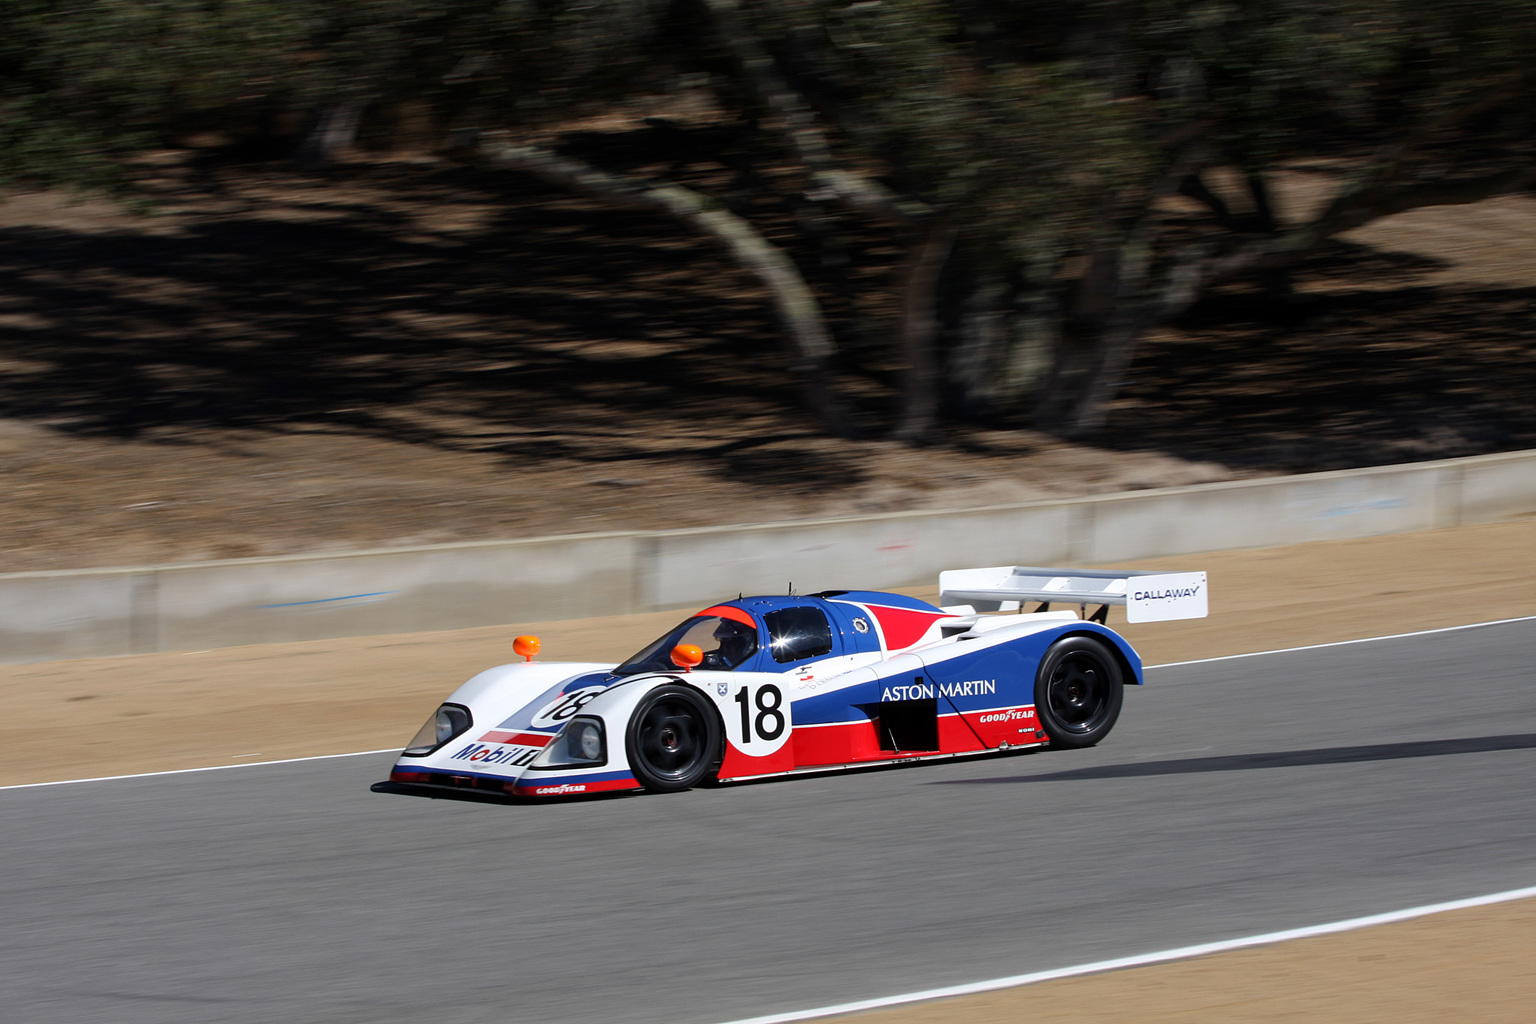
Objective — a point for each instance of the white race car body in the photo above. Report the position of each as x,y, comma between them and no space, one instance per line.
835,680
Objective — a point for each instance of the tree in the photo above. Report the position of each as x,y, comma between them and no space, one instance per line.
1022,155
1428,103
85,85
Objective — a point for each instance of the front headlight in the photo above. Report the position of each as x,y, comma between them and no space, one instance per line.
585,740
582,743
446,722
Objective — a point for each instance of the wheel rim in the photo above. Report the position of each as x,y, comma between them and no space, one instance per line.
672,738
1079,692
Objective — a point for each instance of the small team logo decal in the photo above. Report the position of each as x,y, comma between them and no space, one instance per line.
722,688
860,625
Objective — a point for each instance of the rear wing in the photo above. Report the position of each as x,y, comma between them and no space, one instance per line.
1147,596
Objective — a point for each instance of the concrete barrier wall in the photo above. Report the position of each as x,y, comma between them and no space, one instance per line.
94,612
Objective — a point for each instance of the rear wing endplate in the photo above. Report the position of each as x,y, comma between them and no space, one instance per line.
1147,596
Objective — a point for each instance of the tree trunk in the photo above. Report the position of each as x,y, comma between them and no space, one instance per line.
335,129
977,370
1116,346
798,124
793,301
919,325
1135,314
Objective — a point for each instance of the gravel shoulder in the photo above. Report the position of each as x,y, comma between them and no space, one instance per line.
1462,965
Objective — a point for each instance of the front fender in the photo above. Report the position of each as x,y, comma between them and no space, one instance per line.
614,708
502,736
755,710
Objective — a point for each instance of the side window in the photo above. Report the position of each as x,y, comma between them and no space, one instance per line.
795,633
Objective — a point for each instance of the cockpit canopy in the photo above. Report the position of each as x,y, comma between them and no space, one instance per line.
778,634
727,637
785,632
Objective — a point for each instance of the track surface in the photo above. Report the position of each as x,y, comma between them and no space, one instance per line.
1234,797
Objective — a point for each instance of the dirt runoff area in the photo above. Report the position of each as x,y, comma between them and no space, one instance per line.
250,704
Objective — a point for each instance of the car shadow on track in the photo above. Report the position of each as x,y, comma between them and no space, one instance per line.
1276,759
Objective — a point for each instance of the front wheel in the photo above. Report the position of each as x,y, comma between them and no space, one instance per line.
1078,692
672,739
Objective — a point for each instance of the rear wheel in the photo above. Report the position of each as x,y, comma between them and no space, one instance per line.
1078,692
672,739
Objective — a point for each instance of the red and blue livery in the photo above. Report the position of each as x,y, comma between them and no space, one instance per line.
764,686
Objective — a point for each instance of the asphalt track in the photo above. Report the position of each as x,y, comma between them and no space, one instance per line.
1235,797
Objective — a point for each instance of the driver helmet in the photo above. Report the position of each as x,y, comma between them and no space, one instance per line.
737,641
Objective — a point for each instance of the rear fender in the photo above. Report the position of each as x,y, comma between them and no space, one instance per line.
1032,640
1130,661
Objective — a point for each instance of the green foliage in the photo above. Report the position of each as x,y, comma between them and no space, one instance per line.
1041,129
85,84
970,103
1020,153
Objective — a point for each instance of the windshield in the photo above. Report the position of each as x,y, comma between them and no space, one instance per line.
725,642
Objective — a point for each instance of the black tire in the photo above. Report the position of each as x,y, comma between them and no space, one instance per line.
1078,692
673,739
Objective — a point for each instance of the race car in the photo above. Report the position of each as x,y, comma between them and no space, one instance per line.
764,686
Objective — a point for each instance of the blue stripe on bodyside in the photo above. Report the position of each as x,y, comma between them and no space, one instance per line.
450,773
537,778
836,707
1010,666
1016,663
530,779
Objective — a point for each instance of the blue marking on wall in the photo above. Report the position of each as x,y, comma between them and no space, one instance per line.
1380,504
326,600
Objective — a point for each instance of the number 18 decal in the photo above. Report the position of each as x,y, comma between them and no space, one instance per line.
761,724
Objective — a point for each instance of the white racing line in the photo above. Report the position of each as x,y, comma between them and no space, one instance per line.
1142,959
1346,643
189,771
1170,664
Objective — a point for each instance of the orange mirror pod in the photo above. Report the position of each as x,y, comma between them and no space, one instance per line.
527,646
686,656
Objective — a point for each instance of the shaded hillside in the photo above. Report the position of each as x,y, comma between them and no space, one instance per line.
406,352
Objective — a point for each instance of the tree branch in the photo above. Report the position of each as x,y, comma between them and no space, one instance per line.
1507,88
1195,189
919,325
805,138
1200,267
1350,211
798,311
1359,207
